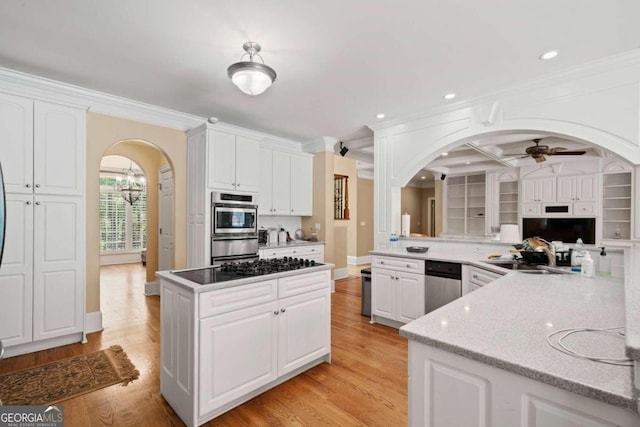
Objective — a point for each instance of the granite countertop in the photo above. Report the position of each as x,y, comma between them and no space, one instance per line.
197,288
290,244
632,309
439,255
505,324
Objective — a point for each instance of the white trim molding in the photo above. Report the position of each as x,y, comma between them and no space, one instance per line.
353,260
93,322
152,288
340,273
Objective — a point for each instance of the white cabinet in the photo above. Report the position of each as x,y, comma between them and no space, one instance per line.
616,205
473,278
234,162
581,188
42,278
397,289
286,183
240,341
539,190
560,196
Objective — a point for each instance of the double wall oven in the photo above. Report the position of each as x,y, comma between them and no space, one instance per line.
234,227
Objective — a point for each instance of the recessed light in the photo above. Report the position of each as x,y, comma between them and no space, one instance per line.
449,96
549,55
423,177
380,115
445,154
467,163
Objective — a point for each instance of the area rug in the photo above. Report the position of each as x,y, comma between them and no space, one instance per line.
61,380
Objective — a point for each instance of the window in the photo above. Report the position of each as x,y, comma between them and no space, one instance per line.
123,227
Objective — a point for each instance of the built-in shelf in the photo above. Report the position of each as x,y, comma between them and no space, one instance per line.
465,212
616,205
508,198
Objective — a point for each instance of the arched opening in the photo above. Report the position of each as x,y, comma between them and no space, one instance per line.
156,168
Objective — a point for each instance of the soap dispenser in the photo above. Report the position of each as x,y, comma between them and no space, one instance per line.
604,264
587,266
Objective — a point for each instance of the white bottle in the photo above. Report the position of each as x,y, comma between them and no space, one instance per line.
578,252
587,267
394,240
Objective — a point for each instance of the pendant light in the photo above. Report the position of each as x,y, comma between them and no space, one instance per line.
251,77
132,186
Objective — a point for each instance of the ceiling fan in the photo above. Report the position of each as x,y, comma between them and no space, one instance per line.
537,152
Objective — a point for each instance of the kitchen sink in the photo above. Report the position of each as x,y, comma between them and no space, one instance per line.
531,269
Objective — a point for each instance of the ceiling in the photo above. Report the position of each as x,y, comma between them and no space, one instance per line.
339,63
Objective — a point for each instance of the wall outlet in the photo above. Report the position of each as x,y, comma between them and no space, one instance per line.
317,226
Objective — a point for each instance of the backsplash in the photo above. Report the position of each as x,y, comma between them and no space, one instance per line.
289,223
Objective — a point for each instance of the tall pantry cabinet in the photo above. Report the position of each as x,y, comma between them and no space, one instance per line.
42,277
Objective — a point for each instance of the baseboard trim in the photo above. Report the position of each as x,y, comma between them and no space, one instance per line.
340,273
93,322
152,288
353,260
42,345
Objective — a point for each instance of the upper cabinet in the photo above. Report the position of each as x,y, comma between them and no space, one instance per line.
42,148
234,162
560,196
581,188
286,183
539,190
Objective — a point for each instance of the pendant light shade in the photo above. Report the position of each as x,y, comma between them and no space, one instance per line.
251,77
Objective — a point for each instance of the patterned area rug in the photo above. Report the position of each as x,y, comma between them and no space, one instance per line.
67,378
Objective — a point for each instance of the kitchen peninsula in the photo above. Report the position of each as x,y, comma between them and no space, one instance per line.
488,351
229,334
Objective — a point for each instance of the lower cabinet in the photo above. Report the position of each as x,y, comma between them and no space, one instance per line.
446,389
473,278
310,252
246,340
397,295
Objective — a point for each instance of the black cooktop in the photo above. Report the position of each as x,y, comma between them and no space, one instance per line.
240,270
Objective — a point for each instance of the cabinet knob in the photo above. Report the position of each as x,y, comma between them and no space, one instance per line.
28,185
291,210
282,310
408,266
276,312
237,185
381,262
37,185
37,203
28,202
475,276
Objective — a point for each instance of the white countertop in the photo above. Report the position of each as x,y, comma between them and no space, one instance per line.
196,287
290,244
505,324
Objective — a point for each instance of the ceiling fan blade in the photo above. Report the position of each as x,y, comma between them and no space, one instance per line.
568,153
554,150
513,155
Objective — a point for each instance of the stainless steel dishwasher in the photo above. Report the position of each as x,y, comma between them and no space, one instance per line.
444,284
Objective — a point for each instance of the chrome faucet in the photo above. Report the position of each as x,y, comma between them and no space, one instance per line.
550,250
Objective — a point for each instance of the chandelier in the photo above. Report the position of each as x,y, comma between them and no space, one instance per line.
132,185
251,77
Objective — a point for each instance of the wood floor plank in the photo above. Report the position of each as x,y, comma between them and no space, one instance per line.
365,385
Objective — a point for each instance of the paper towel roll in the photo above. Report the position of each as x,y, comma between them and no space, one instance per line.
405,228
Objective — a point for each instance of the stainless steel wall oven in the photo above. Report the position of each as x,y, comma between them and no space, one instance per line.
234,227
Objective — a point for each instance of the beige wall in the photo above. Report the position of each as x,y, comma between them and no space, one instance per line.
365,215
424,217
439,206
346,166
150,159
104,131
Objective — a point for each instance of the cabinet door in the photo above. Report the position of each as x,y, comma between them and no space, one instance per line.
587,188
222,160
58,263
410,297
16,273
281,183
531,209
16,143
238,354
265,196
247,164
383,295
58,149
301,185
529,191
304,330
566,189
547,189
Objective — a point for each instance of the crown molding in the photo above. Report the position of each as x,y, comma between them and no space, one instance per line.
323,143
28,85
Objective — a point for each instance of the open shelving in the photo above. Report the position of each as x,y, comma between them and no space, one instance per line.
508,203
466,204
616,205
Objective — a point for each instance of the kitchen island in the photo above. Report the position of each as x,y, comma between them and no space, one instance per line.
225,342
484,359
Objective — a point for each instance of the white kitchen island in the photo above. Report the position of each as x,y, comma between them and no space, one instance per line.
224,343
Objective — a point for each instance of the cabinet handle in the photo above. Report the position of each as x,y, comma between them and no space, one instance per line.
408,266
37,185
237,185
28,185
475,276
276,312
381,262
28,203
282,310
291,210
37,203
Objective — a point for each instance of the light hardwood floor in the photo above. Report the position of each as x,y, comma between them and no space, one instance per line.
366,383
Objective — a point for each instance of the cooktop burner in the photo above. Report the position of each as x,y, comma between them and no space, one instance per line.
239,270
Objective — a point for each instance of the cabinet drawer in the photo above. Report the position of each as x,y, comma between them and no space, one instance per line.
311,250
225,300
531,209
300,284
480,277
584,208
399,264
279,253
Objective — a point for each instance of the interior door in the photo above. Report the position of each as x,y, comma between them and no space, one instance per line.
165,219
